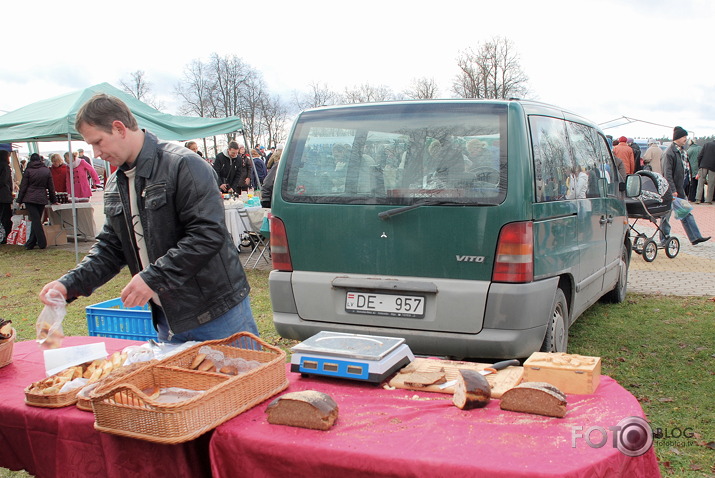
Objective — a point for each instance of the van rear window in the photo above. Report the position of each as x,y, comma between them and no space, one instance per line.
398,153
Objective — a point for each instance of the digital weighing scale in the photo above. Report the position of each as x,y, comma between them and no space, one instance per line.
357,357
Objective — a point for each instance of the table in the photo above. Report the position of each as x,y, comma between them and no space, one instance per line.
235,225
404,433
63,442
62,214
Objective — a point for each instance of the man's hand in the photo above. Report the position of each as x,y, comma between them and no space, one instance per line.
54,285
136,293
223,187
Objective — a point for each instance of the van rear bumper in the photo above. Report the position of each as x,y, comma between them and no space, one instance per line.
489,343
515,326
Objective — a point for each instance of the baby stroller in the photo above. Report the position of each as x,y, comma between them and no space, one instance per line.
654,202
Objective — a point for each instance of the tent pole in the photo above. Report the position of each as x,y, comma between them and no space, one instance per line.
74,205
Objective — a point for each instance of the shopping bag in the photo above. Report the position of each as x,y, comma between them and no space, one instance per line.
18,235
681,208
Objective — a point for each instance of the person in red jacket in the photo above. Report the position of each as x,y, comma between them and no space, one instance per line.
60,173
625,153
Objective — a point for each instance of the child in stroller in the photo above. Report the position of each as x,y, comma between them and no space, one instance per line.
654,202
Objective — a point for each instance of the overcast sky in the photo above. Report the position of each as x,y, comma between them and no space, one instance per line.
649,60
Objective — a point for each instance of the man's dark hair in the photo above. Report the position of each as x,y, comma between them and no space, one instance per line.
101,110
233,145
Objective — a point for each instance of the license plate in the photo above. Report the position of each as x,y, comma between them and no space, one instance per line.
392,305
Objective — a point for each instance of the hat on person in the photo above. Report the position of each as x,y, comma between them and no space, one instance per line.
652,141
629,140
35,157
280,146
678,133
622,139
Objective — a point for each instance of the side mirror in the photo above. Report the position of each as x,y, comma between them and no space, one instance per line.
633,185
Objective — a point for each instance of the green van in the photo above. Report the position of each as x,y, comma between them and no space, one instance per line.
471,228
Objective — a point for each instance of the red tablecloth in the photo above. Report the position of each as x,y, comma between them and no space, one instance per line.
63,442
403,433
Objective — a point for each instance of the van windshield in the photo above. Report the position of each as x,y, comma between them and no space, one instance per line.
397,154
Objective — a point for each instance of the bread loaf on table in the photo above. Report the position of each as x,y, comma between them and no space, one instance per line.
539,398
306,409
472,390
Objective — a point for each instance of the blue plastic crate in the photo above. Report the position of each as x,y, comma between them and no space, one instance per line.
112,319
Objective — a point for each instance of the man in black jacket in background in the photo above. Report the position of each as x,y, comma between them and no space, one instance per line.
165,221
234,171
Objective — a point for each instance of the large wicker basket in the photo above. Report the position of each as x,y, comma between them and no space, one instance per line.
223,396
6,350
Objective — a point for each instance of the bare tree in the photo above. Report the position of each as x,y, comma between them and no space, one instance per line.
253,95
140,88
229,75
275,114
422,89
226,86
493,71
367,93
319,95
195,93
195,90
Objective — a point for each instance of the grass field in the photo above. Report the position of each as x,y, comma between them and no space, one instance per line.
659,348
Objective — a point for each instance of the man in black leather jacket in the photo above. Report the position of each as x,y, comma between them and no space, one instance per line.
233,169
167,225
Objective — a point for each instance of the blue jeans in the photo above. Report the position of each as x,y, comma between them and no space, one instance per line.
238,319
689,224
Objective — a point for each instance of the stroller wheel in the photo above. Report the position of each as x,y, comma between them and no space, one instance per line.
650,250
672,247
639,243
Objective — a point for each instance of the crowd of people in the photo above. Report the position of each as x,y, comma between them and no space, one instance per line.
684,164
40,182
237,171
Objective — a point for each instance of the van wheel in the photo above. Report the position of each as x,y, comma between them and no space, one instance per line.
557,334
618,294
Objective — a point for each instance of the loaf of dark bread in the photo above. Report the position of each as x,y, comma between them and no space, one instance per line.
472,390
306,409
539,398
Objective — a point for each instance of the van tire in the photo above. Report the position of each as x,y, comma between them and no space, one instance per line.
618,294
557,332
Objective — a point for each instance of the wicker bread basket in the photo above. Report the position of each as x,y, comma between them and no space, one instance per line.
6,349
54,400
122,408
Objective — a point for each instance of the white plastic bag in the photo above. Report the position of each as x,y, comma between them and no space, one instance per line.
681,208
49,322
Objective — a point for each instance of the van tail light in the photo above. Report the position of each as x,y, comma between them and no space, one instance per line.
515,253
279,246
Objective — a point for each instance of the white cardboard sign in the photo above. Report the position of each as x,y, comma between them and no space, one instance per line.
56,360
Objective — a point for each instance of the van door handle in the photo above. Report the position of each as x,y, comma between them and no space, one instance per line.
605,220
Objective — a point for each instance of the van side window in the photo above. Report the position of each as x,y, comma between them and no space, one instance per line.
610,171
553,164
584,144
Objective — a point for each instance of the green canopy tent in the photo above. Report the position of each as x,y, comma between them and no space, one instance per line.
53,120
